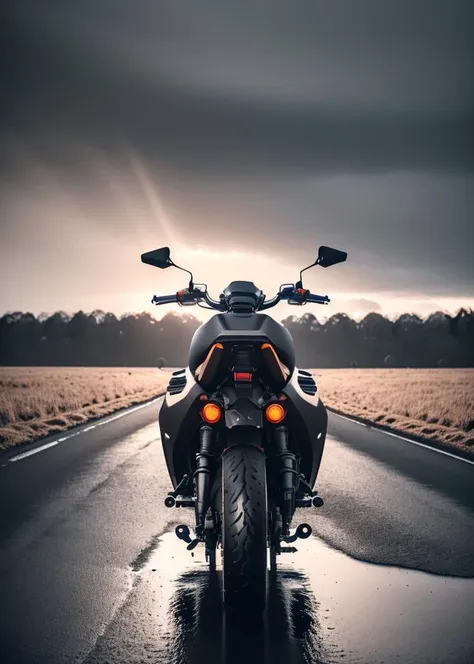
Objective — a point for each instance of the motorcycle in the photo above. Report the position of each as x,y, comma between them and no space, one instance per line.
243,430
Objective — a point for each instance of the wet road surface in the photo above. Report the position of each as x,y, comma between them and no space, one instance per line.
90,570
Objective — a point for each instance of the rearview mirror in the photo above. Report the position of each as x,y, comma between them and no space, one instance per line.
158,258
328,256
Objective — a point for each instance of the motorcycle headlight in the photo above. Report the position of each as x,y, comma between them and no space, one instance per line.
275,413
211,413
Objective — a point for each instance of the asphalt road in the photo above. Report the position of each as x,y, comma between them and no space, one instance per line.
91,572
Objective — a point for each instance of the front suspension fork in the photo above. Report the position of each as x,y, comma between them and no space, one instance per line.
289,477
203,477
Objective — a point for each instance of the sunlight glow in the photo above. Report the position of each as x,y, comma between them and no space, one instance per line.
152,198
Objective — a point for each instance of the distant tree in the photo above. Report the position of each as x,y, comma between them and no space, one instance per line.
375,338
101,339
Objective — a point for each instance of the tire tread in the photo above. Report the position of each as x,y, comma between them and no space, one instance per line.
244,525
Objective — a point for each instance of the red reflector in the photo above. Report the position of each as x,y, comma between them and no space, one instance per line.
242,376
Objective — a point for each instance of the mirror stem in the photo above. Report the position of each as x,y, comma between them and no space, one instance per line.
191,285
299,284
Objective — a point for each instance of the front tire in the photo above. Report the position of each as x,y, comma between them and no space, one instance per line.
244,528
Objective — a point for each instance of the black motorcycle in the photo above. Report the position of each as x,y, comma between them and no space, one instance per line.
243,430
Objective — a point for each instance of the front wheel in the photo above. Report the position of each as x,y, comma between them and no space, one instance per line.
244,528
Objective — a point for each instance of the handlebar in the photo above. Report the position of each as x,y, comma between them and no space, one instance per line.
164,299
295,296
317,299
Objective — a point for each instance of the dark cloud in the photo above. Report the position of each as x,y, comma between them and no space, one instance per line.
292,123
325,87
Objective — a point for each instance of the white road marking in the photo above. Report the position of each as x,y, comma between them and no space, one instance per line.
408,440
19,457
41,448
362,424
99,423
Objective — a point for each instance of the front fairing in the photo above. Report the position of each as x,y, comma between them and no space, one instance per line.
180,419
244,328
309,421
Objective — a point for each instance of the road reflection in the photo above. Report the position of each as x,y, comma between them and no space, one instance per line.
201,632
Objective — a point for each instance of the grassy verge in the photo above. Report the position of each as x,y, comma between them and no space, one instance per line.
38,401
434,404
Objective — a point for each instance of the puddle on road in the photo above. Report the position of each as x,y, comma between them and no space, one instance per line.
323,606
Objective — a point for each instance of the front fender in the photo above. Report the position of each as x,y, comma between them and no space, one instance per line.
243,413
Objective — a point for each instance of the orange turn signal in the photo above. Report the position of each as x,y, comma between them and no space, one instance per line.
275,413
211,413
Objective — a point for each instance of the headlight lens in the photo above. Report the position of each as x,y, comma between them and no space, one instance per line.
275,413
211,413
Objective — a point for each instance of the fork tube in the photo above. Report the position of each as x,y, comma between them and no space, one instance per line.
288,476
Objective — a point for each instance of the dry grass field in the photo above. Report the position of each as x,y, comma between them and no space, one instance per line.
436,404
38,401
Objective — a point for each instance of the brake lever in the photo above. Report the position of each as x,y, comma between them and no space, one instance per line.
298,304
299,293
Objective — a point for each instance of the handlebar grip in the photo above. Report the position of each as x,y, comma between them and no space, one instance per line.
317,299
164,299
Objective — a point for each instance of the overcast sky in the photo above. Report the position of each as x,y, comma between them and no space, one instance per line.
243,135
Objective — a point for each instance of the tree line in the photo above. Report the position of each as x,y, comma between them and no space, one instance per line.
102,339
